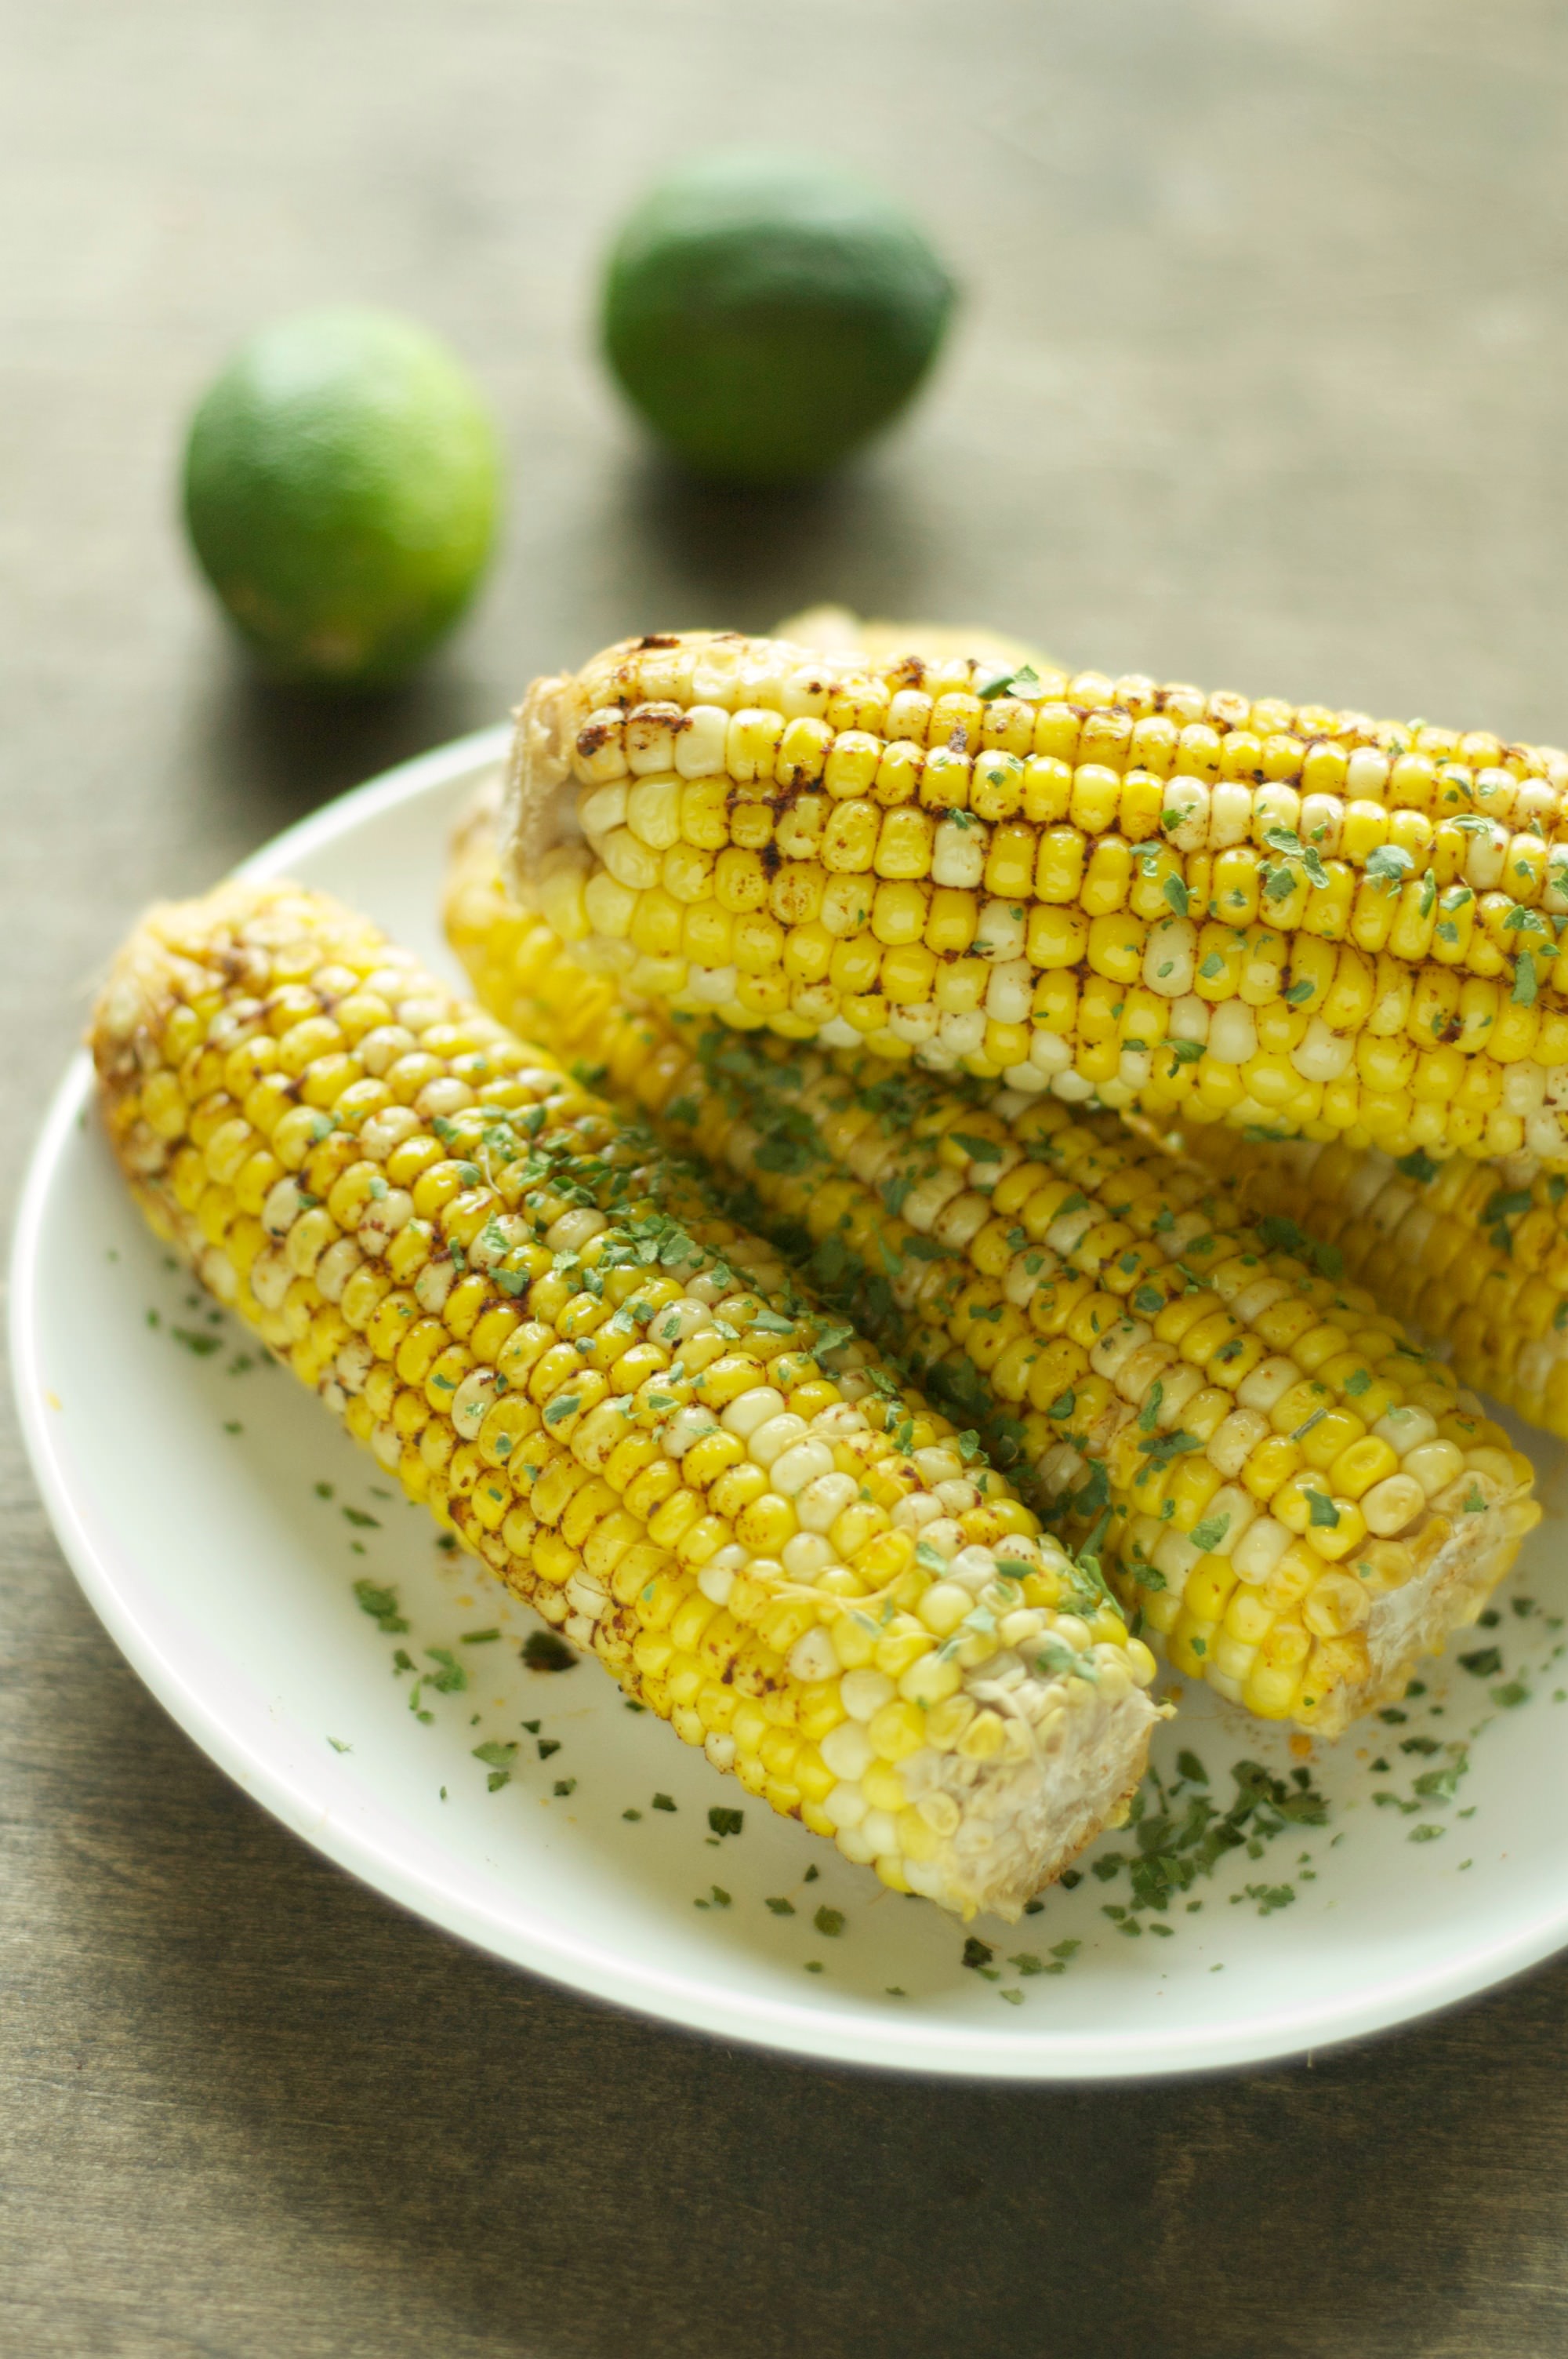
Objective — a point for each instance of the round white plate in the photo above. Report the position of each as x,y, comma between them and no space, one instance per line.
218,1521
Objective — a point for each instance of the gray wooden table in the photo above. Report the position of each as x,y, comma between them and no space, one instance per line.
1260,381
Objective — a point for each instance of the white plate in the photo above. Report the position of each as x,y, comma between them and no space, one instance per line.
185,1494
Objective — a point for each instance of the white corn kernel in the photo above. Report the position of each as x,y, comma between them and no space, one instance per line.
1269,1381
386,1130
848,1750
1406,1428
955,1498
812,1657
806,1463
336,1267
472,1401
433,1284
806,1554
864,1693
752,1409
958,856
1259,1550
1049,1053
852,1843
603,809
650,738
1232,1033
821,1502
945,1535
1009,994
686,1427
699,742
1322,1055
845,1807
442,1098
1435,1465
283,1207
770,1440
878,1829
573,1229
999,937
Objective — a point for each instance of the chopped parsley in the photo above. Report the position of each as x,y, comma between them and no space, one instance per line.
381,1604
543,1651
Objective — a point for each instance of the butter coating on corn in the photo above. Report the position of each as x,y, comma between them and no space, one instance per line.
1299,1501
1474,1256
616,1399
1208,907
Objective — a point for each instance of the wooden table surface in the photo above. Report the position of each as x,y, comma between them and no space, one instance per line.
1259,380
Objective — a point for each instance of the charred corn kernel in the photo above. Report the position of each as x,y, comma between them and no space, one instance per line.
1116,831
617,1514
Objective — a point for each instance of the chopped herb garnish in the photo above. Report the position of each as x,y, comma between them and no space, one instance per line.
381,1604
543,1651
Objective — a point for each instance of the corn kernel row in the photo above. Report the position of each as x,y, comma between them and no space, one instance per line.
616,1399
1474,1256
1251,913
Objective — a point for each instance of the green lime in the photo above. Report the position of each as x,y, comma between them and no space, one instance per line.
767,311
341,482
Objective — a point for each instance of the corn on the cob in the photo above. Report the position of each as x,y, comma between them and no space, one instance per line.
616,1399
1208,908
1300,1502
1474,1256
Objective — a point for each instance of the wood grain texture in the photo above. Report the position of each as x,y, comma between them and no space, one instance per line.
1259,380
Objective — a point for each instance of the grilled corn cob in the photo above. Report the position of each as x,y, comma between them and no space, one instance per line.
615,1399
1298,1501
1474,1256
1208,908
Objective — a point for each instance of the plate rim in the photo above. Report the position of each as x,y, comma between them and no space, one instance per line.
520,1937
